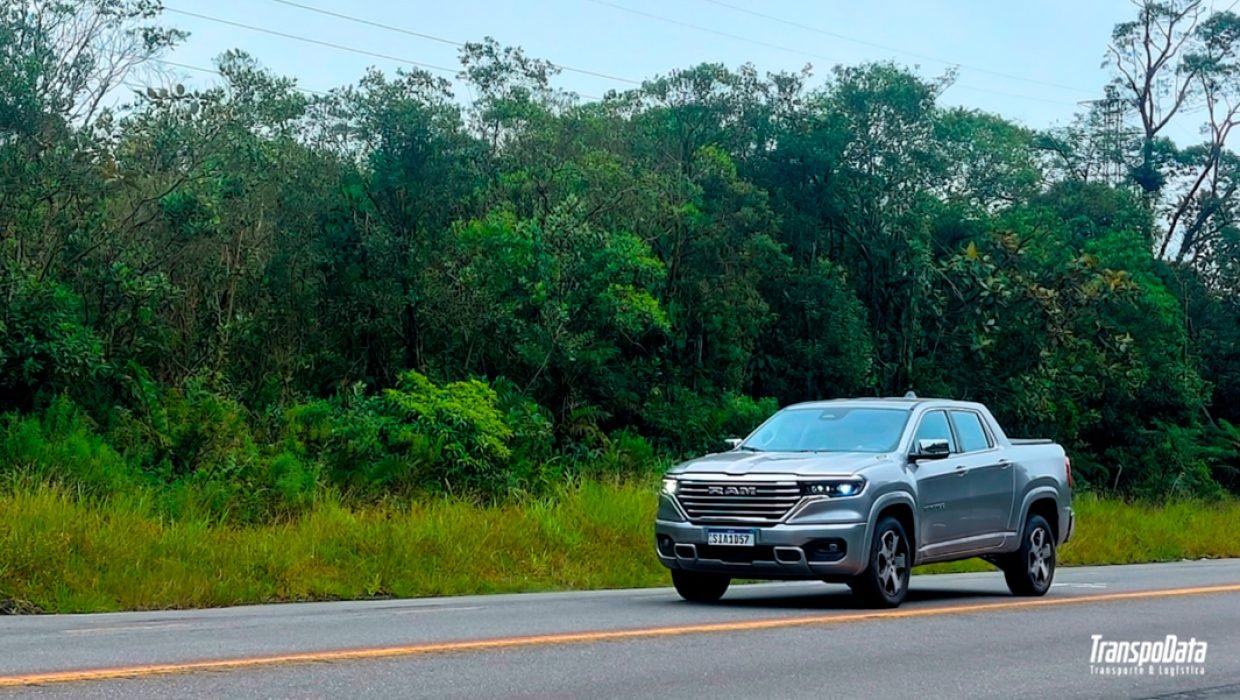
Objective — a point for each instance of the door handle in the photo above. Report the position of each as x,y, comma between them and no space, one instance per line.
1004,464
961,471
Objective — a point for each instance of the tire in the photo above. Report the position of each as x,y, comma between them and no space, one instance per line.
1030,571
697,587
884,583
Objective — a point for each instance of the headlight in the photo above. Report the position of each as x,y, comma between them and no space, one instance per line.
669,486
833,487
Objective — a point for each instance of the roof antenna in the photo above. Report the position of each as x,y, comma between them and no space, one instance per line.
910,394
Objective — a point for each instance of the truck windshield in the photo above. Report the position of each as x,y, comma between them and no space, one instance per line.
836,429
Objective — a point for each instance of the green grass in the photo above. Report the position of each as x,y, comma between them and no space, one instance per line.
62,553
1110,531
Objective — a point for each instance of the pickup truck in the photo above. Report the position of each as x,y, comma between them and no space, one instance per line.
858,491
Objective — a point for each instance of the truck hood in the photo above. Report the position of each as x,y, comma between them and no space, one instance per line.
738,463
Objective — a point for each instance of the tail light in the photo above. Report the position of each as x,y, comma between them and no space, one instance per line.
1067,465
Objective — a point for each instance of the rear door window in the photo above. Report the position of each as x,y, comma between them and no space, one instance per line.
969,429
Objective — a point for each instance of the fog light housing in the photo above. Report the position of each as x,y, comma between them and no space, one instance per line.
666,546
828,550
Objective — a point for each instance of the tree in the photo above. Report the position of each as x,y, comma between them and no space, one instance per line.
1176,56
389,288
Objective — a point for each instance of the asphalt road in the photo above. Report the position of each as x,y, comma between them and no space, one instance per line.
957,636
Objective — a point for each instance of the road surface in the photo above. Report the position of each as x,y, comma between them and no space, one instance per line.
957,636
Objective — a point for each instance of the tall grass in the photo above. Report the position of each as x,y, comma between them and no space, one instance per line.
1112,531
63,552
66,554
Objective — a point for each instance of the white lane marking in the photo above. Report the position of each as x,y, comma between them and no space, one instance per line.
436,609
127,628
116,629
1078,585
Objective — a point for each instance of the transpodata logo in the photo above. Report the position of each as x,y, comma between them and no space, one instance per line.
1171,656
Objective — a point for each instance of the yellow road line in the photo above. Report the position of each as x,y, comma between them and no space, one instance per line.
581,637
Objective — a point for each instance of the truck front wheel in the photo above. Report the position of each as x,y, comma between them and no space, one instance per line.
698,587
1030,570
884,583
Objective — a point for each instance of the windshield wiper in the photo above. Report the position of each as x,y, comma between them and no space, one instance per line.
749,448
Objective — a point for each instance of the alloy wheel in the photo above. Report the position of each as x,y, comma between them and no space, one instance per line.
892,563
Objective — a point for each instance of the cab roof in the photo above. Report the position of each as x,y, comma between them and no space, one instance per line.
886,402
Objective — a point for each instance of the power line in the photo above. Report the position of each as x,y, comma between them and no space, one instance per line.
781,47
1015,96
441,40
339,47
308,91
893,49
308,40
736,37
379,25
200,69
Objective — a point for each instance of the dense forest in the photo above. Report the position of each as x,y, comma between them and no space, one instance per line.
255,293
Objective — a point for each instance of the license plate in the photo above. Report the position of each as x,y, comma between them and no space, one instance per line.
731,538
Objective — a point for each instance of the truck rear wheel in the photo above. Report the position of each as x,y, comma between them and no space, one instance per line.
1030,570
884,583
698,587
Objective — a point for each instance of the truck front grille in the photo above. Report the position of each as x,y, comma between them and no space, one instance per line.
737,501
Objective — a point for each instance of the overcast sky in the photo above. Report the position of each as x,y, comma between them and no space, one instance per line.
1033,62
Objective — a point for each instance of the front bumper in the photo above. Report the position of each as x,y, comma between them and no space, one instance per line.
781,551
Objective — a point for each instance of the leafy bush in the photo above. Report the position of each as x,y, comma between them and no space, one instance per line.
45,347
178,433
361,445
463,422
1165,462
627,454
687,423
464,437
62,446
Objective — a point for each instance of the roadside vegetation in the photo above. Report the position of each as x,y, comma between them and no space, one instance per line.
263,344
62,553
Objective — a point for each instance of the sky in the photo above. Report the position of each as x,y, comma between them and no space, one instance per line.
1032,62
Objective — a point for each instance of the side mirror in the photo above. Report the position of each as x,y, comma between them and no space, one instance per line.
931,449
732,443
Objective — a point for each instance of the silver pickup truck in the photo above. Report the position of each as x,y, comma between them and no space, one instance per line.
858,491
